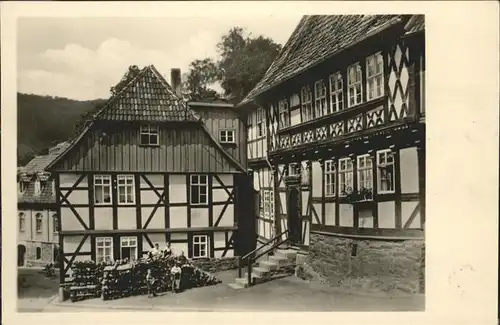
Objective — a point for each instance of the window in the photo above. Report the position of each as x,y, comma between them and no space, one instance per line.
284,115
355,86
38,253
128,248
200,246
104,249
38,222
126,194
22,222
293,169
37,187
307,110
149,135
268,203
345,176
261,125
365,175
336,96
320,98
385,164
55,225
249,126
227,136
102,189
22,186
375,76
199,189
329,178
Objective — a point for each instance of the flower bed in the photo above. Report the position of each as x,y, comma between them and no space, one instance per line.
123,278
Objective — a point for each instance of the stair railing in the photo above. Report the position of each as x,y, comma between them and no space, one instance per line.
251,257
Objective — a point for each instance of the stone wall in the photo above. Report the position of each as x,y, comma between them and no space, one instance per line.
374,265
47,251
217,264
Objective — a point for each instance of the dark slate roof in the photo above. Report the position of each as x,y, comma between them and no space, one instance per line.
147,97
415,24
39,163
315,39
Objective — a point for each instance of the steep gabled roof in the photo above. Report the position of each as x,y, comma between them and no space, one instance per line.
147,97
315,39
39,163
415,24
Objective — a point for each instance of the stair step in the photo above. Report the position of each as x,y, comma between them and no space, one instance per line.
270,265
260,270
242,281
280,260
286,253
236,286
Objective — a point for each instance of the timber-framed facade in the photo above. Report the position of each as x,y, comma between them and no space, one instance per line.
346,142
147,170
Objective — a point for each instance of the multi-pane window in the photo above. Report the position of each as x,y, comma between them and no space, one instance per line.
102,189
128,248
355,86
268,203
261,122
329,178
375,76
126,194
336,96
55,224
365,172
22,222
38,222
199,189
200,246
284,115
307,109
345,176
320,98
226,136
104,249
385,164
149,135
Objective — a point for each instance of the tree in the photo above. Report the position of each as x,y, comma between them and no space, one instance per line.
202,74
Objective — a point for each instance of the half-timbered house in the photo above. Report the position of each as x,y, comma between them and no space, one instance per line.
144,170
344,104
37,229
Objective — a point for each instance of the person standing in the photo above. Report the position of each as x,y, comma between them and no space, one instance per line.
167,252
151,281
155,251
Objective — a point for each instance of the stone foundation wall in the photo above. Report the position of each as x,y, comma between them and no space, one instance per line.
31,259
377,265
217,264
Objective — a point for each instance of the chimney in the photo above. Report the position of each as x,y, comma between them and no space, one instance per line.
175,81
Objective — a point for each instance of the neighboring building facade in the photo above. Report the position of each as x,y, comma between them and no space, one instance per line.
345,119
147,170
37,221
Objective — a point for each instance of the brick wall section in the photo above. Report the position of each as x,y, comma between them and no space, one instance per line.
379,266
217,264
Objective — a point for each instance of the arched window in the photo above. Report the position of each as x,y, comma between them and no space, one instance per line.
39,222
22,222
38,253
55,224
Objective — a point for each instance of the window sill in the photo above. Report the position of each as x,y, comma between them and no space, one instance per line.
149,145
228,143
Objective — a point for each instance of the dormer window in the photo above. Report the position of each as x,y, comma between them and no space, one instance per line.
149,135
307,109
22,186
227,136
38,188
320,98
336,96
375,76
354,80
284,115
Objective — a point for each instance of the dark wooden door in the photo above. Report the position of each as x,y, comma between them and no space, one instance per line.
294,220
21,252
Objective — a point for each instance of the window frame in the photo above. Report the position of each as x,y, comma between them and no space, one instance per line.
38,217
283,113
198,184
306,104
380,166
125,178
366,170
22,187
249,126
149,130
353,85
97,247
375,76
128,245
224,135
334,79
320,100
330,175
55,223
294,167
268,203
206,243
103,177
343,183
22,217
261,123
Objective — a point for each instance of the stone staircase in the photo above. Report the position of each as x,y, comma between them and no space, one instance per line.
281,263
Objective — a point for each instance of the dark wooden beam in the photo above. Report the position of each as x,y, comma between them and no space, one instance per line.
145,231
372,233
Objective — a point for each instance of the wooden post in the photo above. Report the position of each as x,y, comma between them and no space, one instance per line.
249,271
239,266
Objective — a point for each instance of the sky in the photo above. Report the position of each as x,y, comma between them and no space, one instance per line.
81,58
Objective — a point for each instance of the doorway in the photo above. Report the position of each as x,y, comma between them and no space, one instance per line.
21,253
294,220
